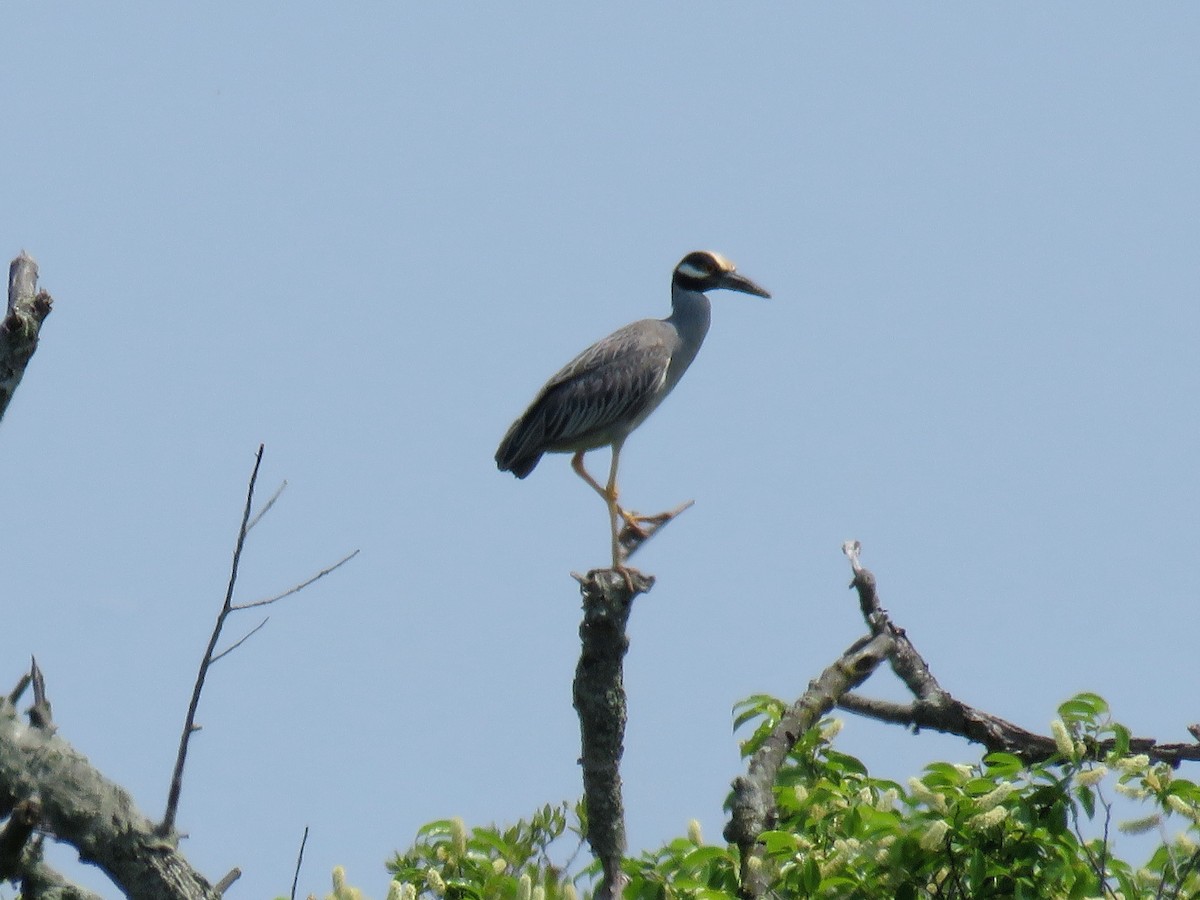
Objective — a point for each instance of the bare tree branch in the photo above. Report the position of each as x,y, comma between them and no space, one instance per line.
56,788
39,714
22,684
227,882
14,835
167,826
211,655
40,880
299,862
752,808
245,637
299,587
21,325
934,707
599,699
905,661
266,507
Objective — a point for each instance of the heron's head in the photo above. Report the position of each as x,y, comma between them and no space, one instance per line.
704,270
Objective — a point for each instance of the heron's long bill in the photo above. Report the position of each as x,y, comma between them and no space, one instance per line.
736,282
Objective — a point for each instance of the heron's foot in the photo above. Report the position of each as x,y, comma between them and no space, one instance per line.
628,574
639,529
636,581
633,522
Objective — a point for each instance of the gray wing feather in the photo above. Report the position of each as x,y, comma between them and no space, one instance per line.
598,395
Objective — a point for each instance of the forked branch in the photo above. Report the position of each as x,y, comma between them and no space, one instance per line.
935,708
753,805
48,788
211,655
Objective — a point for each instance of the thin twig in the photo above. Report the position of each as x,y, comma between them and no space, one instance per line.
227,882
295,590
167,826
266,508
15,694
1098,864
245,637
39,714
299,860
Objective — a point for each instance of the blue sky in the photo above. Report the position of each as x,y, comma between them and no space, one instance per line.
366,235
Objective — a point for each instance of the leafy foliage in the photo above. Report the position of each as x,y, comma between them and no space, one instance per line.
996,828
490,863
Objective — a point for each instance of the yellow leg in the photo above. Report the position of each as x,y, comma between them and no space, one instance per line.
577,465
614,510
609,493
639,527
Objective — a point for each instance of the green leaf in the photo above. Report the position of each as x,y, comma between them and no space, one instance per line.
1003,765
1083,708
755,706
942,774
703,856
844,764
810,876
487,840
1087,799
978,786
461,890
1120,739
778,842
1098,703
439,827
831,884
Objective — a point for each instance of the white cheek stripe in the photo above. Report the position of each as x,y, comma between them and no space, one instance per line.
690,271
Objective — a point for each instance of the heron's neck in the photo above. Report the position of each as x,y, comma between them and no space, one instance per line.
690,313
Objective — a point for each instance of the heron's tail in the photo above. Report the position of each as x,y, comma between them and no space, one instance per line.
514,455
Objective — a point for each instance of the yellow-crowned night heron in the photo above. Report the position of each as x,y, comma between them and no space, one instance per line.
609,389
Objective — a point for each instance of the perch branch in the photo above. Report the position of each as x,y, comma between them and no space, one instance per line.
599,699
19,329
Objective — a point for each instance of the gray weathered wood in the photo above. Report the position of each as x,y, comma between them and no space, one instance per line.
27,309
